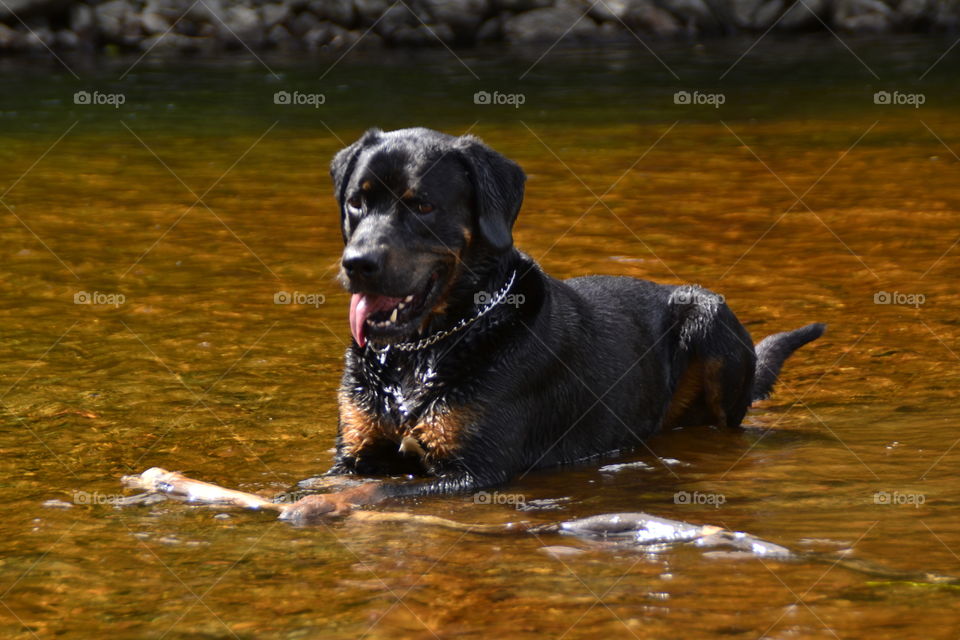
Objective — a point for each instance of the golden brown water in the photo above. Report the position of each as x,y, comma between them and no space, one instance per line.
199,370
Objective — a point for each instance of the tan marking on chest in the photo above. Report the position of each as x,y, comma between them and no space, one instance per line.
437,436
359,428
713,389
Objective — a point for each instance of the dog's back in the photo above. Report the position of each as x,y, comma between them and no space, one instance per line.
678,350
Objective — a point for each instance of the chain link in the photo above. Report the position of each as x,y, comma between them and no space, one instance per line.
460,326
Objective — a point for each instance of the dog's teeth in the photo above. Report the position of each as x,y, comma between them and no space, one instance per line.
409,298
393,316
401,305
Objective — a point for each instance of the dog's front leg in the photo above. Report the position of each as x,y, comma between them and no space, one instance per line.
322,505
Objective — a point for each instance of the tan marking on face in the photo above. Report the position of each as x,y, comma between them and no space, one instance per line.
407,195
440,306
359,429
366,185
441,433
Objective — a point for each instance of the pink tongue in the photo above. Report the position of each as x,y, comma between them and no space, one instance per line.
362,305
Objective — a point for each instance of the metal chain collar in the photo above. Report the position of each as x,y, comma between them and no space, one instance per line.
460,326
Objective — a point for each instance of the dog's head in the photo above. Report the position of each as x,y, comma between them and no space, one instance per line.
416,206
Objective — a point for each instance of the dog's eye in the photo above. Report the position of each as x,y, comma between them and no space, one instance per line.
355,202
424,207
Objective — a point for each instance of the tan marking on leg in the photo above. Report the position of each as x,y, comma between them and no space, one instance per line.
688,390
323,505
368,493
713,389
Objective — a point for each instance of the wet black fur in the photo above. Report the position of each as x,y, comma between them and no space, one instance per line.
581,368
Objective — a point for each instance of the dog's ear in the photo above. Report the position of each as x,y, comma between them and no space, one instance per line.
498,191
342,164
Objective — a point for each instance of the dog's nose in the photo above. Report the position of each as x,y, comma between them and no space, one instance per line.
365,263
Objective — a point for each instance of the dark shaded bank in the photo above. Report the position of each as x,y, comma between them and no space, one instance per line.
301,25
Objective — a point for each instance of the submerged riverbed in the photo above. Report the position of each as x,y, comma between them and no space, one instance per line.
149,251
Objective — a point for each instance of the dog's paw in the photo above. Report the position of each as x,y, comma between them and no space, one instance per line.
314,508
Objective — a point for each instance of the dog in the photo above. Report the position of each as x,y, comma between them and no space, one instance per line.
469,365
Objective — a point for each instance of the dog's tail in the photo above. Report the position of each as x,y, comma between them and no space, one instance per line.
773,350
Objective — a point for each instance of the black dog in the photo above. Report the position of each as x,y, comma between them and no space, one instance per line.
470,365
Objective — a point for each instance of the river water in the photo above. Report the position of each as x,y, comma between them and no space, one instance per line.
144,245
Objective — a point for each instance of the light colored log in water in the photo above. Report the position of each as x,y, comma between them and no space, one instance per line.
640,529
178,486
